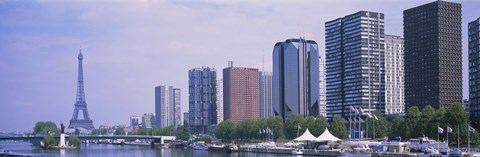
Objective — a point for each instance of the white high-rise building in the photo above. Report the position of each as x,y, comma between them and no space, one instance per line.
167,106
219,101
322,100
394,75
265,94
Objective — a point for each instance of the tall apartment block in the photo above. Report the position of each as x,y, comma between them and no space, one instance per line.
265,94
202,96
433,54
240,93
474,72
148,120
167,106
134,122
394,75
355,53
295,78
219,101
322,86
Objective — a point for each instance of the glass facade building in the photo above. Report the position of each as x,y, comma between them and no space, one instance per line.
474,71
295,78
202,96
433,54
355,69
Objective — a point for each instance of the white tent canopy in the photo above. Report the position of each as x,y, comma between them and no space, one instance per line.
306,136
327,136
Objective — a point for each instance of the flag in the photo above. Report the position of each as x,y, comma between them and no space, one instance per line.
440,130
260,131
299,126
449,130
361,109
471,129
374,116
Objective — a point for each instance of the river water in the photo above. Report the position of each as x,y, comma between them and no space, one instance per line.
108,150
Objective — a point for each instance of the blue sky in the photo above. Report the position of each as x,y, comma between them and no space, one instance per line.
130,47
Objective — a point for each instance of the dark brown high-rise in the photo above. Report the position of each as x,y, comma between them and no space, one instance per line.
433,54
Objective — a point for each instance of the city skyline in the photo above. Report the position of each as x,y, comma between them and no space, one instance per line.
132,47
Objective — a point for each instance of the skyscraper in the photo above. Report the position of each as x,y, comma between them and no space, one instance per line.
474,72
295,78
394,97
148,120
202,96
219,101
433,54
355,49
240,93
134,122
322,86
167,106
265,94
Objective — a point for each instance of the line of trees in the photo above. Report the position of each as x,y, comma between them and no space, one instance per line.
416,123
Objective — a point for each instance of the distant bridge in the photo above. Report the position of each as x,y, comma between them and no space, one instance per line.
97,137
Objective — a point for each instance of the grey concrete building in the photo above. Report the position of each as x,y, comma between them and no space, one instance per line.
265,94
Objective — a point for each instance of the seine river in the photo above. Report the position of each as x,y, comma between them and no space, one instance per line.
107,150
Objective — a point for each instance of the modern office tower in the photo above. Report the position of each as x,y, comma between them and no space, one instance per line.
219,101
134,121
433,54
265,94
474,72
355,49
322,100
240,93
148,120
394,97
295,78
202,93
167,106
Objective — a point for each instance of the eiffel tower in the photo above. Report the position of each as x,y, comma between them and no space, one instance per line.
81,104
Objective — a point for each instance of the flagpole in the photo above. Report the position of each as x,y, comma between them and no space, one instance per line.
438,139
458,137
448,150
468,139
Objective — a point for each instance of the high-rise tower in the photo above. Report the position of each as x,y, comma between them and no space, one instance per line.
81,103
355,49
295,78
433,54
474,72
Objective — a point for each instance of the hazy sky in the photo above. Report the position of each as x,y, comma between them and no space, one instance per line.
130,47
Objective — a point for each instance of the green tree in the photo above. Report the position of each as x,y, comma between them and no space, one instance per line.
225,130
119,131
457,117
412,120
247,129
99,132
74,141
397,127
48,141
381,126
77,132
338,128
293,126
429,123
183,132
45,128
276,125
